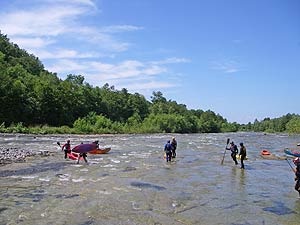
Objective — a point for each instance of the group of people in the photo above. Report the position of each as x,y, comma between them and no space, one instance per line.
170,152
170,149
67,149
234,151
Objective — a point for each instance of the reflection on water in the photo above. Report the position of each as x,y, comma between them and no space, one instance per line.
279,209
134,185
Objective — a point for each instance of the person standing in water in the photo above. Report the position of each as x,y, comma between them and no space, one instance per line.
66,148
243,154
297,174
168,151
84,155
173,146
234,151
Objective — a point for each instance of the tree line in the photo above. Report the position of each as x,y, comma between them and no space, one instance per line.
34,100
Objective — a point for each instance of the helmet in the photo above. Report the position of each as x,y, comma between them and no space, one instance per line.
168,141
68,141
173,138
241,144
296,160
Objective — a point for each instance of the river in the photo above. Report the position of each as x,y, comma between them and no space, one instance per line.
132,184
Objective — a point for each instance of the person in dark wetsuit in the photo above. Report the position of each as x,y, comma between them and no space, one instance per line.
97,143
168,151
234,150
243,154
84,155
297,174
66,148
174,146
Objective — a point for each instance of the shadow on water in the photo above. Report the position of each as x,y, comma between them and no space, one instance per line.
33,196
66,196
129,168
279,209
240,224
147,185
88,222
41,167
3,209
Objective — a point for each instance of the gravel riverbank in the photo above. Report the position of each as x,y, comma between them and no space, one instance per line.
10,155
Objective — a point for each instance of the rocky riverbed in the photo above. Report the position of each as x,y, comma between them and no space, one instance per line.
13,154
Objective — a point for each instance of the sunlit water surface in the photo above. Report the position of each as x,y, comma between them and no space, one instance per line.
132,184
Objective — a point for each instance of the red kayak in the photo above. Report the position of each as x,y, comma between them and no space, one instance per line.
265,152
84,148
74,156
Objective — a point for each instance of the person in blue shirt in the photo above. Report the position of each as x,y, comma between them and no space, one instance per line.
168,151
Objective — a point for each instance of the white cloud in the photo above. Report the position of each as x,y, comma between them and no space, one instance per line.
51,22
148,85
32,43
67,66
122,70
55,32
172,60
230,66
120,28
61,20
66,54
132,74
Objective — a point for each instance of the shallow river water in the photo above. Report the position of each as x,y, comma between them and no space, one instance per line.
132,184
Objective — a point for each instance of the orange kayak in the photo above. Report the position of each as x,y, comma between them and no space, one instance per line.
265,152
100,151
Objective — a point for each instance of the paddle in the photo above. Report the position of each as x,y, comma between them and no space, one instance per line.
58,143
228,139
290,165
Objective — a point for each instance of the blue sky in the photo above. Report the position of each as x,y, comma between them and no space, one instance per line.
238,58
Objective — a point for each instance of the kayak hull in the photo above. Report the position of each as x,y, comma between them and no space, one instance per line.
100,151
273,157
84,148
73,156
292,153
265,152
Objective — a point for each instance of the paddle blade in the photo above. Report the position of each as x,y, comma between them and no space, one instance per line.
58,143
228,140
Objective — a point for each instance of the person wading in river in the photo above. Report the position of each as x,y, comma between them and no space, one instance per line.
84,155
297,173
174,146
66,148
168,151
234,150
243,155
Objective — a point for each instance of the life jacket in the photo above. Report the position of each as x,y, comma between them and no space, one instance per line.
234,149
168,147
174,144
243,151
66,146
